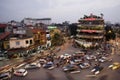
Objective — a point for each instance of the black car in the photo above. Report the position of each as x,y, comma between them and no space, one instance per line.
97,69
70,68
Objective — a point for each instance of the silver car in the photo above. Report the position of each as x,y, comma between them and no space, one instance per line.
32,66
5,76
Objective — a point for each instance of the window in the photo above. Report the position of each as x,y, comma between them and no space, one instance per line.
17,43
30,41
26,41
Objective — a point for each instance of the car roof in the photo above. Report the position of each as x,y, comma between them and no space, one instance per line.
4,73
50,63
79,52
21,70
116,63
33,63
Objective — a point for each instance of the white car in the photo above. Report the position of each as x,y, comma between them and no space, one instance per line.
65,56
20,72
32,66
84,65
103,59
90,57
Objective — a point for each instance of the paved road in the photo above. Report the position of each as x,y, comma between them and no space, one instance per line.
43,74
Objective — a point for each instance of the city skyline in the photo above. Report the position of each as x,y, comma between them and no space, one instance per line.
58,10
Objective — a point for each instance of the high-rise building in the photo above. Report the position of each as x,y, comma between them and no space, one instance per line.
90,31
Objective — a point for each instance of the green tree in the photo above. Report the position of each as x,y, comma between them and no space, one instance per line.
110,34
57,39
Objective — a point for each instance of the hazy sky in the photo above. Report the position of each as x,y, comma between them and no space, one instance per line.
58,10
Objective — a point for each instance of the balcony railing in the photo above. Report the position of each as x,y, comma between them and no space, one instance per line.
90,36
91,31
91,27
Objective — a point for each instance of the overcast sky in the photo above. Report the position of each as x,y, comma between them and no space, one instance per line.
58,10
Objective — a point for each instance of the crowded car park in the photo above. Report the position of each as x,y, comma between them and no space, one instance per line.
74,63
77,63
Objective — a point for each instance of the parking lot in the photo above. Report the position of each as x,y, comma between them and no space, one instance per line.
58,73
70,63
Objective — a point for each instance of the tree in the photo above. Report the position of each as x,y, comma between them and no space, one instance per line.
57,39
73,29
110,34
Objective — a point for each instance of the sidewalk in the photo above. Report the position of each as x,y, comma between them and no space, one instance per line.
8,64
12,61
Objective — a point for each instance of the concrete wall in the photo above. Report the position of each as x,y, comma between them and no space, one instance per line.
19,43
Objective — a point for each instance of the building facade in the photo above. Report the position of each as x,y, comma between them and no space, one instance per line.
39,36
34,21
20,42
90,31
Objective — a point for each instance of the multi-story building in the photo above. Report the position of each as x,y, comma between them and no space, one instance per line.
39,36
34,21
20,42
90,31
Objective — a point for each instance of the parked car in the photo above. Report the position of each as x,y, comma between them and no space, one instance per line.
76,61
90,57
70,68
65,56
102,59
2,58
5,76
96,70
79,53
115,65
84,65
32,66
20,72
42,61
48,65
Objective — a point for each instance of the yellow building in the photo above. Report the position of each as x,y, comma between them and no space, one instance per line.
39,36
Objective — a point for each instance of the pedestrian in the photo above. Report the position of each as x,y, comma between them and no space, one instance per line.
12,70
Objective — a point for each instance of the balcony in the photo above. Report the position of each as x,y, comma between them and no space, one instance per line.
90,31
91,27
90,36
